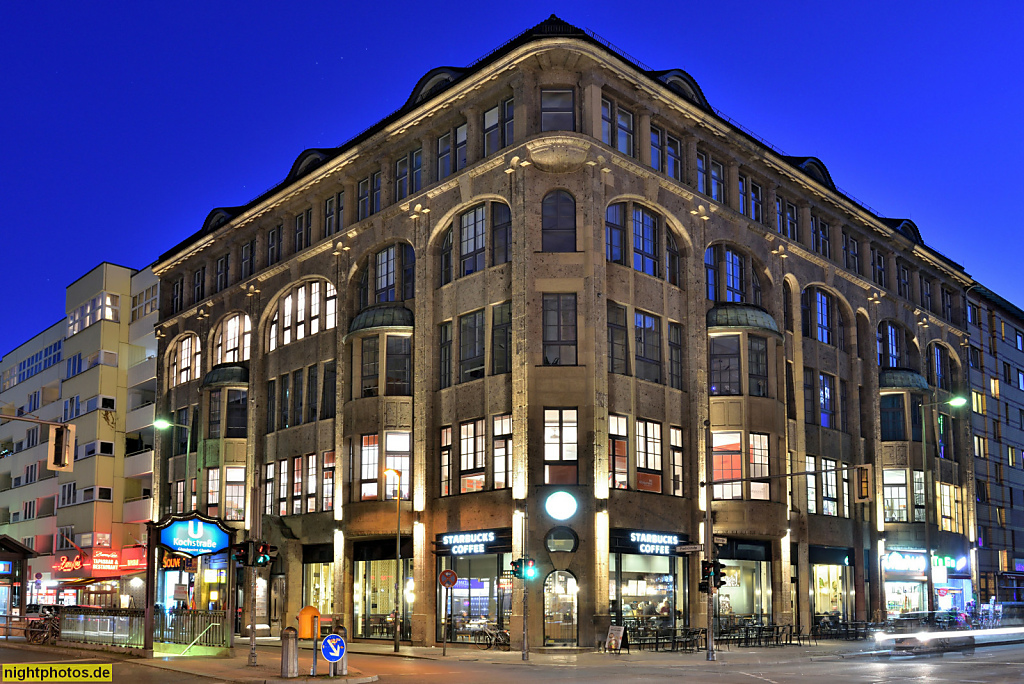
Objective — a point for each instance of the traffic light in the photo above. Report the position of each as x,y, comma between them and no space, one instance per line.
264,554
529,568
243,552
517,568
702,587
719,574
863,483
705,570
60,450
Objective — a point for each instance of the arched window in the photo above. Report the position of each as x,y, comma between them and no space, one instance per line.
892,352
558,222
303,310
821,318
672,260
186,360
446,258
725,274
393,273
940,370
645,241
233,339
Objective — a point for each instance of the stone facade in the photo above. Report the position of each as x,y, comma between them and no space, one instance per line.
710,270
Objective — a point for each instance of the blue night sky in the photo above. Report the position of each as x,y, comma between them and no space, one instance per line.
125,123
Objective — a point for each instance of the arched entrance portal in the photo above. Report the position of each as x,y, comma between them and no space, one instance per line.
560,606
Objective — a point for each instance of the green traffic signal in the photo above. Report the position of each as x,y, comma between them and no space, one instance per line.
529,568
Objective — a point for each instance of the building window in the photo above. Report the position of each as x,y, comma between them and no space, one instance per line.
734,280
501,338
666,154
710,177
222,272
939,368
851,253
826,400
725,365
648,456
327,495
618,452
471,245
617,127
363,199
303,230
558,222
615,234
446,461
890,345
757,365
894,495
902,280
812,486
756,203
449,159
398,366
645,242
675,438
385,275
559,324
234,493
502,462
947,304
370,364
445,354
213,426
829,488
398,458
675,356
501,221
213,492
821,238
471,346
408,174
647,330
298,313
334,214
199,285
368,462
878,267
557,112
233,339
472,458
727,465
725,274
618,346
178,295
560,445
893,422
978,402
446,258
273,245
759,466
186,360
498,126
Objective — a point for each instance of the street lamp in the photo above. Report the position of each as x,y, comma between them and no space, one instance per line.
398,546
163,424
929,493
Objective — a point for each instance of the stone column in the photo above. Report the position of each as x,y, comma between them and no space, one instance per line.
474,135
643,134
733,186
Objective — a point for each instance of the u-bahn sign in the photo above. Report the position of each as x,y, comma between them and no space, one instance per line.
193,534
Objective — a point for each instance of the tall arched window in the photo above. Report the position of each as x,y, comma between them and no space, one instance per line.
821,318
446,257
233,339
558,222
892,352
469,234
725,271
672,260
186,360
302,310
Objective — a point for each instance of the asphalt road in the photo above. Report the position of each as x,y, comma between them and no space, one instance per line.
989,666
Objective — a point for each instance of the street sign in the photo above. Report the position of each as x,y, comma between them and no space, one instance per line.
333,648
721,541
689,548
447,578
193,535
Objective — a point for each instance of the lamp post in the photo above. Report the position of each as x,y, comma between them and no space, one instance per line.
163,424
398,547
929,493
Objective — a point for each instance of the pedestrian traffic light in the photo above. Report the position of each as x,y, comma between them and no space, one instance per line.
719,574
264,554
242,552
517,568
706,570
702,587
529,568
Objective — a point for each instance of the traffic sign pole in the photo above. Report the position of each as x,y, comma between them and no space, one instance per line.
447,579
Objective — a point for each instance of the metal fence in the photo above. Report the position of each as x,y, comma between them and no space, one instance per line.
210,627
102,626
126,627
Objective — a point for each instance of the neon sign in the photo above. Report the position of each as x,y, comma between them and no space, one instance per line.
649,542
904,562
65,565
193,536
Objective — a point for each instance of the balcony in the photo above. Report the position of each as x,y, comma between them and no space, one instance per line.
140,418
139,465
141,372
138,510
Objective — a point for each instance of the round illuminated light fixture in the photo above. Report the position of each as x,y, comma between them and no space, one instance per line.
561,505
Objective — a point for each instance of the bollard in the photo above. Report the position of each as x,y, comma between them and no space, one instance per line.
289,653
343,633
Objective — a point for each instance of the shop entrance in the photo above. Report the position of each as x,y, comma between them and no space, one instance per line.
560,609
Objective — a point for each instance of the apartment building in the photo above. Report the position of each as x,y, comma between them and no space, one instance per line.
996,359
526,305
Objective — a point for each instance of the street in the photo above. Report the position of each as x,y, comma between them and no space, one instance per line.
989,665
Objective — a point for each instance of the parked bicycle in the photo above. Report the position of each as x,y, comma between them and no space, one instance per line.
44,630
487,636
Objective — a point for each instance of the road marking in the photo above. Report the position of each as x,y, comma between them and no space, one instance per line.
763,679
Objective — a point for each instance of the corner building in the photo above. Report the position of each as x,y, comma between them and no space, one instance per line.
541,276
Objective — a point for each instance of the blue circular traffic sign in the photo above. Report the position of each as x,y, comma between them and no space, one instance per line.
333,648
